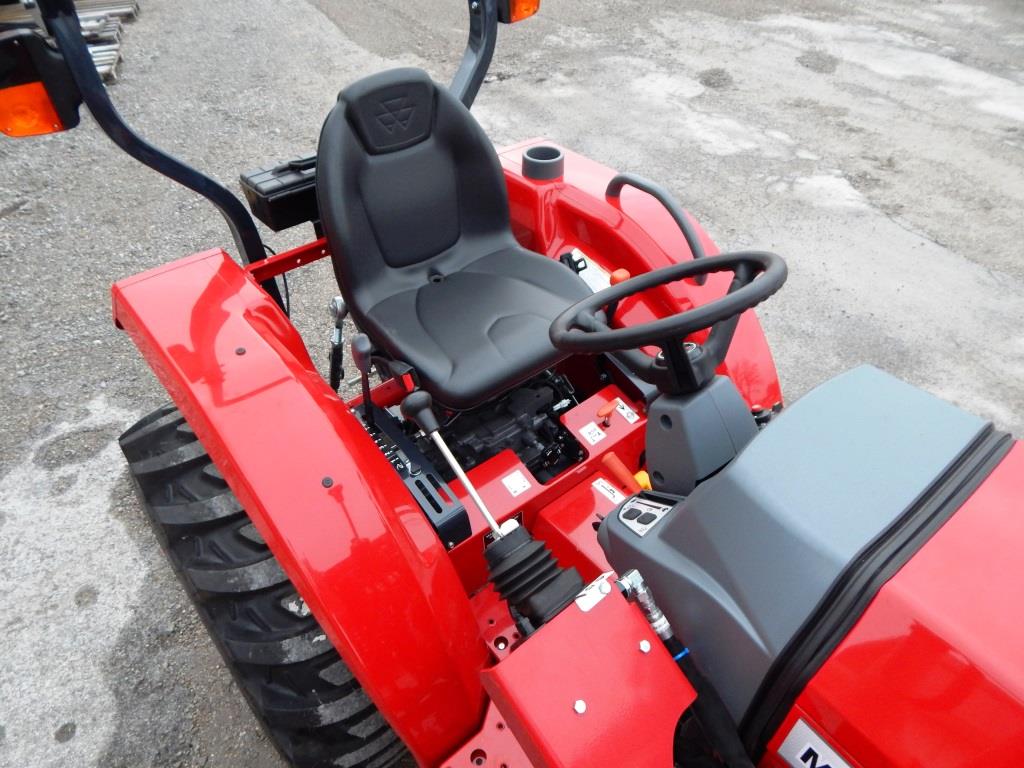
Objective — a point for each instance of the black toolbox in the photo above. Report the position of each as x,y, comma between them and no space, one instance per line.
283,195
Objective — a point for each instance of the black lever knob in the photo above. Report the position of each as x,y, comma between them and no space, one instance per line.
362,348
418,407
362,354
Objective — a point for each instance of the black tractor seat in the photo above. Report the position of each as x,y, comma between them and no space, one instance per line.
413,203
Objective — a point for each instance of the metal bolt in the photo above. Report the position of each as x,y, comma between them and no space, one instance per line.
605,588
240,351
645,646
579,707
327,482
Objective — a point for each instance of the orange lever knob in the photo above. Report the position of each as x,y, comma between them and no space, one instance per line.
618,276
605,412
618,470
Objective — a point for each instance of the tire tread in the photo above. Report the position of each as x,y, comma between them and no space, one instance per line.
298,686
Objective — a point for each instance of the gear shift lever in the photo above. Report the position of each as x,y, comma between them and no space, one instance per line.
418,408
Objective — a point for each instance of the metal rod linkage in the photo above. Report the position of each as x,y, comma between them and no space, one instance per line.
442,446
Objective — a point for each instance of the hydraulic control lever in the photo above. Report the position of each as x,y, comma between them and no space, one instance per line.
523,570
362,349
418,408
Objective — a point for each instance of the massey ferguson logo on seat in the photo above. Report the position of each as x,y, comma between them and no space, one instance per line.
395,113
803,748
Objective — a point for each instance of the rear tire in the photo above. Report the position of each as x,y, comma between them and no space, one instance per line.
301,691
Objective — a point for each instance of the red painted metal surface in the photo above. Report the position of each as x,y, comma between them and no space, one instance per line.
632,699
494,746
489,478
633,233
286,261
933,673
360,551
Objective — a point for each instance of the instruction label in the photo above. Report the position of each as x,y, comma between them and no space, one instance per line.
803,748
609,491
515,483
626,412
592,433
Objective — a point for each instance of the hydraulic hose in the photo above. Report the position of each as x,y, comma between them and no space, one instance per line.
715,720
709,710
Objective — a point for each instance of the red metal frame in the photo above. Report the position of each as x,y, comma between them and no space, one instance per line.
634,233
933,672
286,261
394,603
592,688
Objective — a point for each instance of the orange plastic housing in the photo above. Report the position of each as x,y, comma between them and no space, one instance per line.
522,9
26,110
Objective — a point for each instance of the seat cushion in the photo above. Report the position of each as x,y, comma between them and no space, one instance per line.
475,332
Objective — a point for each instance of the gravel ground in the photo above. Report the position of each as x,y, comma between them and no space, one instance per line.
877,145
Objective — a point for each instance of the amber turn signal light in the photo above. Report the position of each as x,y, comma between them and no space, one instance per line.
511,11
26,110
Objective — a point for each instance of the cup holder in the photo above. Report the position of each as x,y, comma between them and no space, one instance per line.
543,163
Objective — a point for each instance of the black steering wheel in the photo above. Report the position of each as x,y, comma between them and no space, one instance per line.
680,368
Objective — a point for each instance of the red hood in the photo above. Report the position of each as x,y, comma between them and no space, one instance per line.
933,673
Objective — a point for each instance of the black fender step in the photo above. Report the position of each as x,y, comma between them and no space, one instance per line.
300,689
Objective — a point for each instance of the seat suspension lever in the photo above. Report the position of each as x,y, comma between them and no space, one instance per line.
418,408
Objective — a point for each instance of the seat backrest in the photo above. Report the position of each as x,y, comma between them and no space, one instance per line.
408,186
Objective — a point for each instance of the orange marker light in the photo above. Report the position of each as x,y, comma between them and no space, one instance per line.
522,9
26,110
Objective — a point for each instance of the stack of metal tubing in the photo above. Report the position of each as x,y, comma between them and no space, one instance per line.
102,25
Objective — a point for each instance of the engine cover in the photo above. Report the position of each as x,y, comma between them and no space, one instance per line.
767,564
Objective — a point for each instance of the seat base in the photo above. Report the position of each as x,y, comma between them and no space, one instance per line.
472,334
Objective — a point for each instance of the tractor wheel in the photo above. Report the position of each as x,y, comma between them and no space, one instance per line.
312,707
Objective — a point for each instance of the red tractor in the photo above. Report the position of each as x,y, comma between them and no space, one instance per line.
567,521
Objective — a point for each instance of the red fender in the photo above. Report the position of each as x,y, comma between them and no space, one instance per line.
342,525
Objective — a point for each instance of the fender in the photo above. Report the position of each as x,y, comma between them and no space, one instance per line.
344,528
636,233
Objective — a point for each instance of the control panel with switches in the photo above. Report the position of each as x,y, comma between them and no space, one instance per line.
642,512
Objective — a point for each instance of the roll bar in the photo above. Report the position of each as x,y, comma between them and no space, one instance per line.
483,34
61,21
